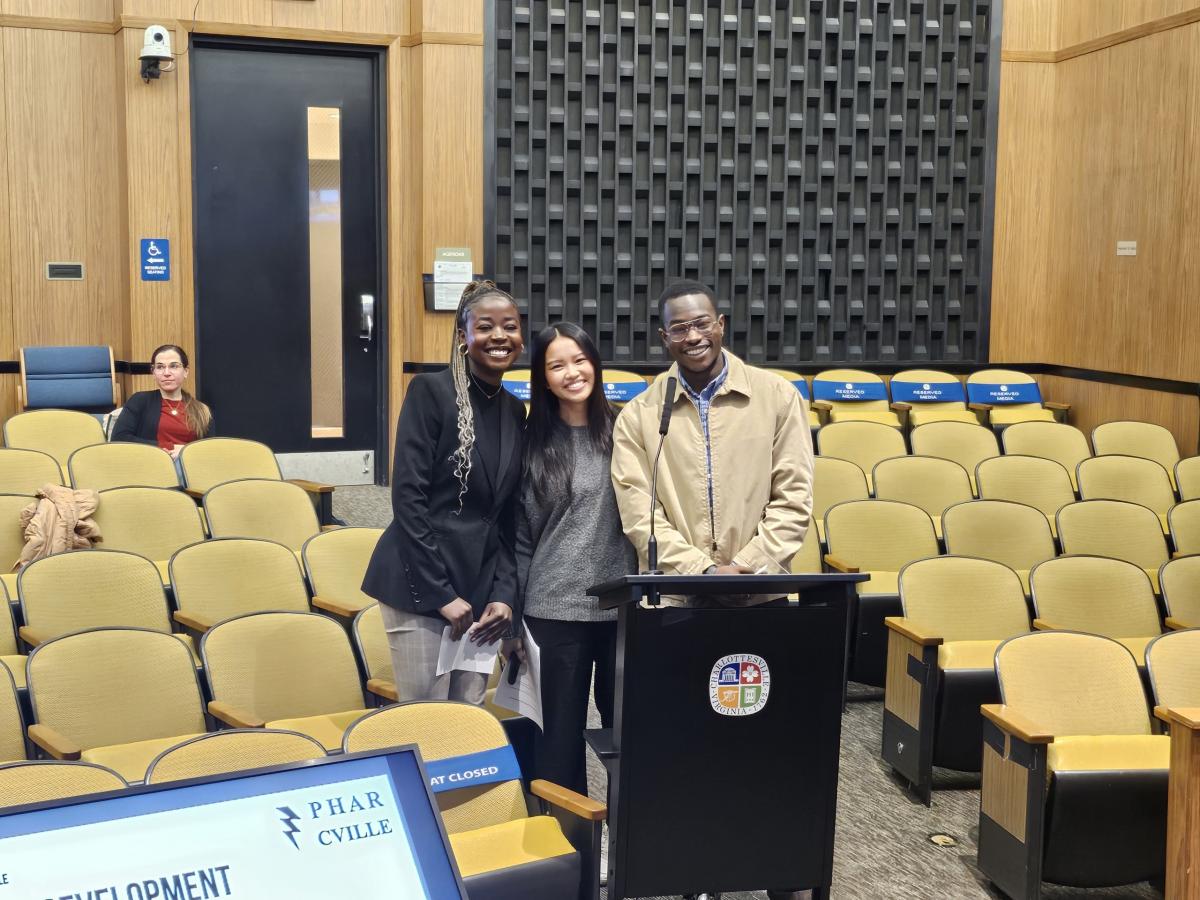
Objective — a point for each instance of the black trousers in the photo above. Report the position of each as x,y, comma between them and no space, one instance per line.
569,652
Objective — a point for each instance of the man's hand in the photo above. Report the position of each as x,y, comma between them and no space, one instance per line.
493,624
733,570
459,614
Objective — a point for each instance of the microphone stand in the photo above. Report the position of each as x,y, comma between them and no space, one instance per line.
664,423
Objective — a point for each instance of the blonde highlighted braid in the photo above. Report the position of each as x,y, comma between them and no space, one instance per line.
472,294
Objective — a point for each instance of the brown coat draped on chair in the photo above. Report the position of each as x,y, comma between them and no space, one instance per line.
60,519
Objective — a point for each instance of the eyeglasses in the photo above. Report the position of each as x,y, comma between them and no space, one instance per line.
167,367
678,333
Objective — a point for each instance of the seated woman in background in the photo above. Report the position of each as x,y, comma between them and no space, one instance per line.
169,417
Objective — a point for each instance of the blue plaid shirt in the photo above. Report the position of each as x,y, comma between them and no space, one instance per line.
703,400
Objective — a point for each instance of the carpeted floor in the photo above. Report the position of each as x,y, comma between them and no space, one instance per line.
883,844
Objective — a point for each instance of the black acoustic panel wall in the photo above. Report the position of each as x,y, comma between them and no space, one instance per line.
825,166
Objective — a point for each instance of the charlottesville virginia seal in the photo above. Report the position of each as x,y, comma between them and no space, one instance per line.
739,684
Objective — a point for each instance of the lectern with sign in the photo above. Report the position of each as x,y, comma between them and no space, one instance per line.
723,758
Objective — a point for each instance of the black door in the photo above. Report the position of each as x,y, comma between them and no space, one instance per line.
289,237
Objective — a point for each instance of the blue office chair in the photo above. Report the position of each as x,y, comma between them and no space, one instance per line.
81,378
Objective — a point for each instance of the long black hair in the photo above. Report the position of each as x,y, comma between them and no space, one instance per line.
549,453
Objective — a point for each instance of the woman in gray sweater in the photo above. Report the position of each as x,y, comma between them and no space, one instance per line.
569,537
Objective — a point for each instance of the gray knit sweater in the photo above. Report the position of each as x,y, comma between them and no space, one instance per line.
564,548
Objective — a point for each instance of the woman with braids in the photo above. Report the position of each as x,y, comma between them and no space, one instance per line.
447,557
569,537
168,417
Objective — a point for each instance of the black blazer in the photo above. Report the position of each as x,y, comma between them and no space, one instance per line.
432,553
138,421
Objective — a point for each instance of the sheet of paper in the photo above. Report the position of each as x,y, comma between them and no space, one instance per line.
465,655
524,697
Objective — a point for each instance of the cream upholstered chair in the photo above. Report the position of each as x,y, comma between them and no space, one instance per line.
879,537
1109,597
1186,477
152,522
1143,439
862,443
1074,779
963,443
1008,533
121,464
114,696
1183,520
261,508
957,610
1173,660
1128,478
835,481
1064,444
1031,480
289,670
12,721
10,653
852,395
69,592
929,482
226,577
1009,397
1116,529
40,781
336,562
1180,582
928,395
492,833
370,641
25,471
58,432
212,461
234,750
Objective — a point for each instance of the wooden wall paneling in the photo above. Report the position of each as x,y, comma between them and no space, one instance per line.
1093,403
82,10
383,16
405,305
1029,25
160,9
65,205
1080,21
7,346
323,14
447,16
1025,179
237,12
158,312
184,249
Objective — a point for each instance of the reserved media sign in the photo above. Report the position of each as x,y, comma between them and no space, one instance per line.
360,827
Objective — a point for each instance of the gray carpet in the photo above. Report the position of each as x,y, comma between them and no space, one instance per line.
883,847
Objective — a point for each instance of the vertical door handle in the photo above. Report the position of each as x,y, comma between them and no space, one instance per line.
367,322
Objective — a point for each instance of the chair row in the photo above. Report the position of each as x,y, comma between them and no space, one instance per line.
66,447
499,830
882,536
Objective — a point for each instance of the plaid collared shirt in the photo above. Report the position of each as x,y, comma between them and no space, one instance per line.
703,400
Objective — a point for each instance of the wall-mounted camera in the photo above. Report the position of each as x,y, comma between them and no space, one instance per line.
156,55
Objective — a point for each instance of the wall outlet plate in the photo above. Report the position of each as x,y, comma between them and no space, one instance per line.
1126,248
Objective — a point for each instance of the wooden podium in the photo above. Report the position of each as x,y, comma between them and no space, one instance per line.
1183,803
723,758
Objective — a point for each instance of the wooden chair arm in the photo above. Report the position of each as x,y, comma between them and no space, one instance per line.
192,621
980,407
312,487
1056,404
331,527
840,565
901,407
823,405
335,607
194,493
383,688
1043,625
32,636
912,631
231,715
1188,717
569,800
1174,624
57,745
1012,722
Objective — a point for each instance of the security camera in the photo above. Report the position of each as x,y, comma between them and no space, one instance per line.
156,55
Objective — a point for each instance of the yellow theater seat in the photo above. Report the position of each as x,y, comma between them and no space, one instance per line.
289,670
852,395
929,482
1008,397
957,611
25,471
234,750
1180,582
10,653
1174,663
336,562
1142,439
968,445
124,516
57,432
41,781
1013,534
116,696
1129,478
862,443
498,843
1034,481
835,481
261,508
1117,529
1064,444
1121,752
121,464
928,395
1183,521
370,642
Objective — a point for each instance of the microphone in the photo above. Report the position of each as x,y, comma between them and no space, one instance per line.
652,545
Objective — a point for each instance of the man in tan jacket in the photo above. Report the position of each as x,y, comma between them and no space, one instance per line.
735,480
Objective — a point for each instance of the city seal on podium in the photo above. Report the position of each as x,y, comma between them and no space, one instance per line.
739,684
